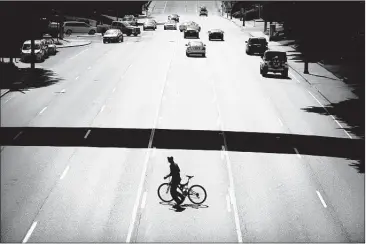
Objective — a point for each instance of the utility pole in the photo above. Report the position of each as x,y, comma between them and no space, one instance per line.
244,15
33,59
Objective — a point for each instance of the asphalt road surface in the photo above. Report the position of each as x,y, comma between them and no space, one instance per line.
101,194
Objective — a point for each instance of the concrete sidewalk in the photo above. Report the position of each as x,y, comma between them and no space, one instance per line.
330,87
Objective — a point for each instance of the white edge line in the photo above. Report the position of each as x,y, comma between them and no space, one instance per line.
297,152
321,199
233,201
87,134
21,132
43,110
29,233
316,99
134,212
280,121
293,76
65,172
228,203
143,202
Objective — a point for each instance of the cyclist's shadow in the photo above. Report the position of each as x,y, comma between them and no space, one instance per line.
183,207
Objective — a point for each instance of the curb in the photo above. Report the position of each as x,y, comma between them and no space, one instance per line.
4,92
77,45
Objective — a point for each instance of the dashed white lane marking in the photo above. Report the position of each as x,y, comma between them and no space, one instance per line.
79,53
297,152
63,91
232,196
228,203
89,67
29,233
18,135
331,115
8,100
77,77
65,172
143,202
101,110
321,199
44,109
114,89
280,121
87,134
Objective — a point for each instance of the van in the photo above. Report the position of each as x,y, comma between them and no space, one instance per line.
79,27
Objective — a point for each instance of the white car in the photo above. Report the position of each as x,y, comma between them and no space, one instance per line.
170,25
196,47
39,51
79,27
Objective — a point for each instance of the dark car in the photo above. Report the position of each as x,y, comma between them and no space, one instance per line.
275,62
256,45
216,34
203,11
174,17
126,28
191,32
113,35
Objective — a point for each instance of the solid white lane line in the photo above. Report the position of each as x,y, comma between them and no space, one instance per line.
29,233
321,199
77,77
143,202
65,172
165,6
18,135
297,152
233,198
43,110
87,134
293,76
280,121
228,203
331,116
134,211
153,152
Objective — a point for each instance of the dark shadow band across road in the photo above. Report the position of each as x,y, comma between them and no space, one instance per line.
353,149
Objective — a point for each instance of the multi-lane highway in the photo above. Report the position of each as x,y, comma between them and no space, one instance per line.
57,193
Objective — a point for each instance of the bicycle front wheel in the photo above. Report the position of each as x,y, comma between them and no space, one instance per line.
164,192
197,194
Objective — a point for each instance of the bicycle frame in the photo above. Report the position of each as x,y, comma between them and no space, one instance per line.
182,187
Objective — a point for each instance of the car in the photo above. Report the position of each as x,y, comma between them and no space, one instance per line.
78,27
39,51
203,11
126,28
195,26
275,62
113,35
130,19
256,45
216,34
51,46
191,32
149,24
196,47
183,26
170,25
174,17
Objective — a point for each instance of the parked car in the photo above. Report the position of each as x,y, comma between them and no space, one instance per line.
174,17
130,19
191,32
256,45
113,35
275,62
51,46
39,51
196,47
79,27
203,11
170,25
126,28
216,34
149,24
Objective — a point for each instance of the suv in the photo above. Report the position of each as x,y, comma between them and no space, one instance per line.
203,11
275,62
256,45
126,28
79,27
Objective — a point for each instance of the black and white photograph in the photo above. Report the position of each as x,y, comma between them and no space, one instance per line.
182,121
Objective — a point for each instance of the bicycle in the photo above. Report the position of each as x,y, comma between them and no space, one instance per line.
195,192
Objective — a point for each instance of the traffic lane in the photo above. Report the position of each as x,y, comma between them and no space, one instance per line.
275,197
28,175
209,222
94,200
174,7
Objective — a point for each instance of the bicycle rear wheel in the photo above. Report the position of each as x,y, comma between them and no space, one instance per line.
164,192
197,194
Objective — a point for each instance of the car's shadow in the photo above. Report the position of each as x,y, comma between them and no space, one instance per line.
277,76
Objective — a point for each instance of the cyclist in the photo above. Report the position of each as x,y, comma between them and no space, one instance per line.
175,174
